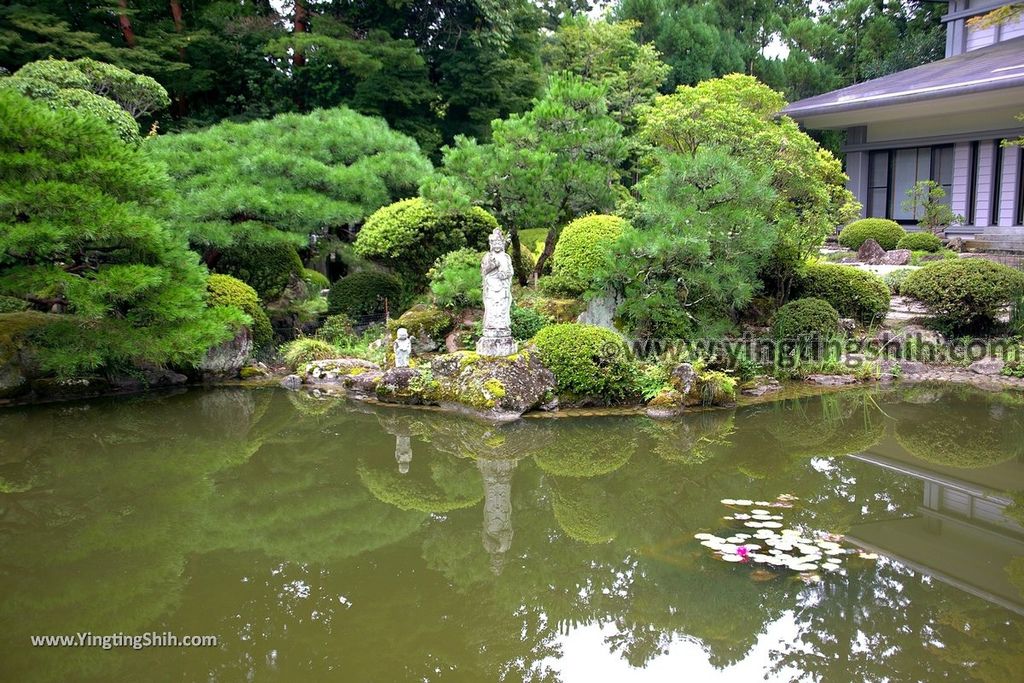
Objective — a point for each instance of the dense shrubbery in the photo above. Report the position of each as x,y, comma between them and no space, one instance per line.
10,304
806,318
456,281
582,249
364,293
336,329
410,235
77,235
894,279
587,360
852,292
316,280
267,268
884,231
224,290
526,322
967,294
306,350
920,241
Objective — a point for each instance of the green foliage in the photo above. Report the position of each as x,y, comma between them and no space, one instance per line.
583,248
285,178
699,240
926,201
224,290
587,360
739,116
966,294
608,54
76,232
10,304
884,231
114,95
336,329
410,235
306,350
267,268
854,293
315,279
943,442
526,322
894,279
544,167
364,294
806,318
920,241
456,281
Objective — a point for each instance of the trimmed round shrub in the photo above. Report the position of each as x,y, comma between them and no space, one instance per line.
894,279
527,322
410,235
854,293
965,294
224,290
580,250
267,268
306,350
315,279
884,231
364,293
587,360
806,318
920,241
456,281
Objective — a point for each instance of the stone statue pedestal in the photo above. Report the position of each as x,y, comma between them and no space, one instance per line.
497,346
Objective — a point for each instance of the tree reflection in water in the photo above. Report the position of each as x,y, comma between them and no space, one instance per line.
318,536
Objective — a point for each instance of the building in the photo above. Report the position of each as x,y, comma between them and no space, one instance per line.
942,121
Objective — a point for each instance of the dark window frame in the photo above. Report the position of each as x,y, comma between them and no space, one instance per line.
997,183
934,154
972,183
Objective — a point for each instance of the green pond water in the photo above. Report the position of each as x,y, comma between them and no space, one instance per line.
320,539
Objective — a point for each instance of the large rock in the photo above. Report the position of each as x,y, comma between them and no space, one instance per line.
494,388
687,388
225,360
16,367
987,366
335,370
870,252
428,327
831,380
896,257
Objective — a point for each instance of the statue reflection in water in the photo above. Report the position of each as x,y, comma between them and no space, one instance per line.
497,532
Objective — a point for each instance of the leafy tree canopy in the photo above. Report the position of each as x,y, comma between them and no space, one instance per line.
77,236
286,178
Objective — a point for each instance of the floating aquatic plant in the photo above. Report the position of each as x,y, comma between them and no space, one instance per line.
773,546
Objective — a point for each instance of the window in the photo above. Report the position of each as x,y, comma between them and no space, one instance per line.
878,184
997,184
1020,189
892,173
972,188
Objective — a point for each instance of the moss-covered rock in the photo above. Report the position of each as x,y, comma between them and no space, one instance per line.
495,388
427,325
15,363
559,310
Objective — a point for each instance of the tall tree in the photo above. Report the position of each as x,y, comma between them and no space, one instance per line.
557,161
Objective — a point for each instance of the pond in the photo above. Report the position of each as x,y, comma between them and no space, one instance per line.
320,539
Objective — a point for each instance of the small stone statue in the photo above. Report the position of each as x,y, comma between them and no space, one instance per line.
403,348
496,269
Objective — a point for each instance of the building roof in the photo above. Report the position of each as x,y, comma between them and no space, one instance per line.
995,67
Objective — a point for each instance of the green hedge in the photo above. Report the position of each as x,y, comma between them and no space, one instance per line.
11,304
587,360
527,322
920,241
854,293
806,318
267,268
580,250
965,294
410,235
224,290
884,231
363,294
